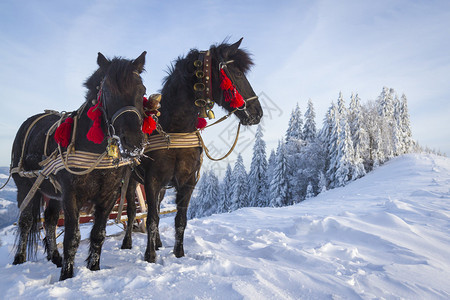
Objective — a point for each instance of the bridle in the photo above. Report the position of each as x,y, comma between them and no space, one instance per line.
114,143
203,86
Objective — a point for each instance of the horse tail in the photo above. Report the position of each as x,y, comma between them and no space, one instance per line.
33,236
32,220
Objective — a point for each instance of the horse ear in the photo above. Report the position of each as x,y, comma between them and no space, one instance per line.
233,48
103,62
139,62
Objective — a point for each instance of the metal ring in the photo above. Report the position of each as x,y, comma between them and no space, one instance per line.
199,87
199,74
200,102
243,107
198,63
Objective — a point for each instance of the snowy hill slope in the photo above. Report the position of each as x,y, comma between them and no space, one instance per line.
383,236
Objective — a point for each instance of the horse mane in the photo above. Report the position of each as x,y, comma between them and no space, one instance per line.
120,73
242,58
180,72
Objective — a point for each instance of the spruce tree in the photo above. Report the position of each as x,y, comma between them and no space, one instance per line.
294,131
226,191
405,126
345,170
360,137
258,172
309,129
196,205
333,146
240,185
211,196
279,184
271,162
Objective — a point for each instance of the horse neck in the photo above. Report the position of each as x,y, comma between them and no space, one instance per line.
178,112
83,126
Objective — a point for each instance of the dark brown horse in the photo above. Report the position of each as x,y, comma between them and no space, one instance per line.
194,83
118,86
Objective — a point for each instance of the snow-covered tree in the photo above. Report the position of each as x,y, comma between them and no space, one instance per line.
258,172
405,126
271,162
279,185
309,129
386,107
359,135
206,201
196,205
294,131
226,191
345,170
332,144
240,185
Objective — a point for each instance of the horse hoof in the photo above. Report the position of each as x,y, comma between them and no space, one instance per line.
178,251
126,244
19,259
65,275
57,261
150,257
158,244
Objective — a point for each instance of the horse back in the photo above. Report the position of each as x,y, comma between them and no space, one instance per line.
30,140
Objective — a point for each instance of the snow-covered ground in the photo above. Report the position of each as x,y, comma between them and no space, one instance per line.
386,236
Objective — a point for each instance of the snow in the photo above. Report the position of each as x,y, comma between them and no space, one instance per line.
385,235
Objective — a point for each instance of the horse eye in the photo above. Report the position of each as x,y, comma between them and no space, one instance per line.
239,74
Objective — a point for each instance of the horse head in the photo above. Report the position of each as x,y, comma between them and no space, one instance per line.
120,100
230,84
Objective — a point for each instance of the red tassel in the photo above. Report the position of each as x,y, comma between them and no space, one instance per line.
95,133
237,100
148,125
230,92
63,132
94,112
201,123
225,83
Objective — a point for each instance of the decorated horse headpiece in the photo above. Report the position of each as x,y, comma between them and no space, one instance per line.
203,88
95,113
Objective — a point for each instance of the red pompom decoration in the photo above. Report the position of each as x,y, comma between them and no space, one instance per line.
148,125
63,132
230,92
225,83
95,133
201,123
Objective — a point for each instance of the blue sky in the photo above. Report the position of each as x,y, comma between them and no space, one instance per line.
301,49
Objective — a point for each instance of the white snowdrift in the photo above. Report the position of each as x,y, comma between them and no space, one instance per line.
383,236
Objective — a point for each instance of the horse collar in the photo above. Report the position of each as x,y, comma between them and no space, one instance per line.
203,86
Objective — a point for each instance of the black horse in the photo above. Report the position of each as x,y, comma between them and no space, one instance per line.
187,92
116,92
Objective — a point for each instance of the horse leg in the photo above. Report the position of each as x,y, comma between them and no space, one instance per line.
152,190
98,233
131,214
160,199
71,236
28,221
182,200
51,216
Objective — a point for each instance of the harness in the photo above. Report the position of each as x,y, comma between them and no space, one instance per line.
75,159
204,101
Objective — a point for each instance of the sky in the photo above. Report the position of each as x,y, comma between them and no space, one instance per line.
302,50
